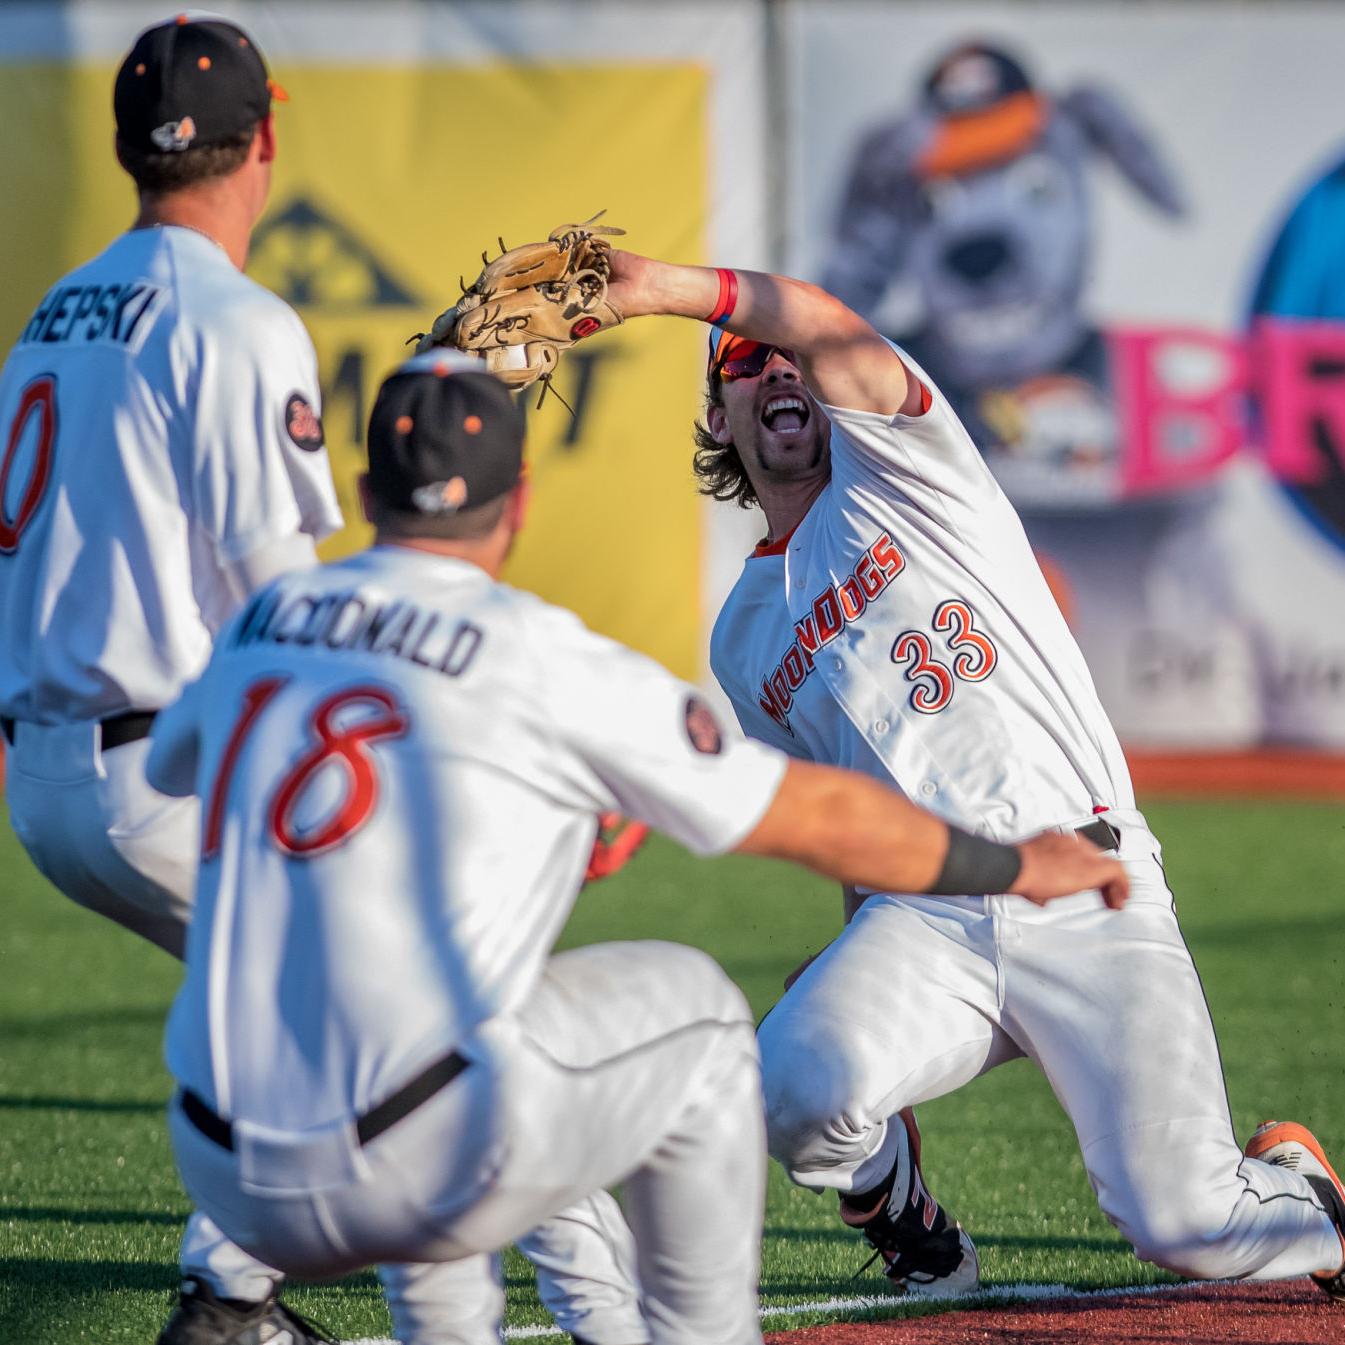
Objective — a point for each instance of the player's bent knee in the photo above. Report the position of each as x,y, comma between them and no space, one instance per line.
1172,1193
1186,1238
1185,1256
811,1120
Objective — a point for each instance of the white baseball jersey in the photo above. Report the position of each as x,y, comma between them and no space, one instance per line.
905,630
400,762
160,421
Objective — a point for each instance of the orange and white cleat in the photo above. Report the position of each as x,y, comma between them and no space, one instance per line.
1288,1145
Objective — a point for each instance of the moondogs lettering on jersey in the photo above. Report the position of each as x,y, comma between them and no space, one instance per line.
836,605
905,630
429,750
159,423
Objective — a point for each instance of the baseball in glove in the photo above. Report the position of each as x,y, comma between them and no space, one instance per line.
531,303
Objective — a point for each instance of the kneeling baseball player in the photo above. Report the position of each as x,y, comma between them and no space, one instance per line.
894,620
400,762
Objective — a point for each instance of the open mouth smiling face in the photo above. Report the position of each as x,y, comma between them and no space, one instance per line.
790,430
784,413
773,418
787,431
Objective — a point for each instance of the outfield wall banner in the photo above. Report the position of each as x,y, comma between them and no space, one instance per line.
1113,234
415,135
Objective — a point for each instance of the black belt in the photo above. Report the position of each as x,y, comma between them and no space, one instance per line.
116,730
368,1127
128,728
1102,834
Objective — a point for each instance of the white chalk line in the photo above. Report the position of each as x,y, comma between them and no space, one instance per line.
982,1297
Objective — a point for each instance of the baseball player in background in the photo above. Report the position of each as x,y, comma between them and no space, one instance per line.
893,620
401,762
163,458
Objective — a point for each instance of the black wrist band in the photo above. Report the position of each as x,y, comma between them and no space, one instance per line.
975,867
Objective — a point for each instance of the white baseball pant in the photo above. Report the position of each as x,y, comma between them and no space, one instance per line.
920,995
585,1261
99,833
631,1063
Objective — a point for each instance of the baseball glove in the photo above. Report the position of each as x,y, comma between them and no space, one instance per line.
532,302
617,840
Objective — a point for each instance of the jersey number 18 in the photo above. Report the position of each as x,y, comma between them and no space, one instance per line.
345,748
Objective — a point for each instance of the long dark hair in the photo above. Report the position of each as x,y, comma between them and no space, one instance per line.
717,466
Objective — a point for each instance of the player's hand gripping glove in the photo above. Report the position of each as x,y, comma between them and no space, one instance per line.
617,840
533,302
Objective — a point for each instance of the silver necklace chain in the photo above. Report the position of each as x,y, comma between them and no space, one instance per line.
208,237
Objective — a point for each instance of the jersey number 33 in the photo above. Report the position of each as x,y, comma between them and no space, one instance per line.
974,656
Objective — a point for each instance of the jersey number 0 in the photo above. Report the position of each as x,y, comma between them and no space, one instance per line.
38,399
343,748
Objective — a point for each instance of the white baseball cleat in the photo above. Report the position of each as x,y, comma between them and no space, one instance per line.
1286,1144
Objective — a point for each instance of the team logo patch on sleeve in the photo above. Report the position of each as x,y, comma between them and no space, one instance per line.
302,423
703,728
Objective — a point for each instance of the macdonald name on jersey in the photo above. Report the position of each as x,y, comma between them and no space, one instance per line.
832,610
347,621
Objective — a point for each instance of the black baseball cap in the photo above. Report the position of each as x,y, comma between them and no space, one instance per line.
189,83
444,436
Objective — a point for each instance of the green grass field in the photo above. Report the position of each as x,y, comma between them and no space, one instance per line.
91,1210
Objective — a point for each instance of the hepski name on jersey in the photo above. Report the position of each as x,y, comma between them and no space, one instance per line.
347,621
111,313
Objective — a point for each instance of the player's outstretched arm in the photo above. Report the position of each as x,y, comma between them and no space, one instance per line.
844,361
850,827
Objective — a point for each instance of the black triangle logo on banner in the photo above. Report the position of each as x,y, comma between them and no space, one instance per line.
312,260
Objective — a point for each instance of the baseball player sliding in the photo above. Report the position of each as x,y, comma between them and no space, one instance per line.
163,457
893,620
401,763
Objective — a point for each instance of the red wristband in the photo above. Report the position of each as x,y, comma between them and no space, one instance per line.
728,298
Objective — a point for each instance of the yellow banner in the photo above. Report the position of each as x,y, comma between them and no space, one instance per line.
389,184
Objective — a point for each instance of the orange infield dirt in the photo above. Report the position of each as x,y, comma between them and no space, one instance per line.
1266,773
1292,1313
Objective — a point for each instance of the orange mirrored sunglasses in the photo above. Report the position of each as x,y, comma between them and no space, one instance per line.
736,357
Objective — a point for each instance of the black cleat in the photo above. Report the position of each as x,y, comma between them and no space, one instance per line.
924,1252
1333,1286
202,1318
